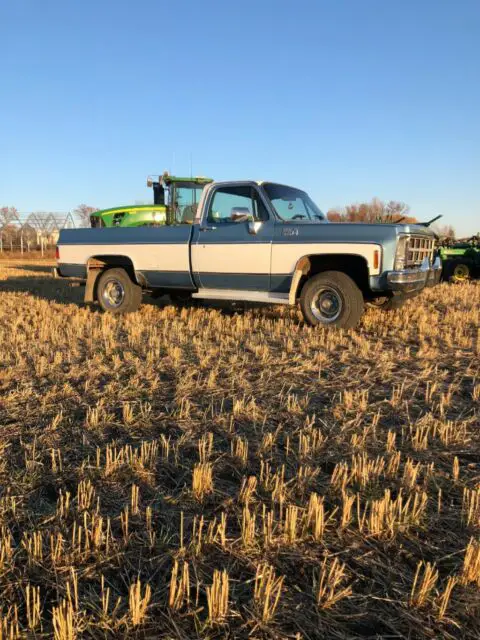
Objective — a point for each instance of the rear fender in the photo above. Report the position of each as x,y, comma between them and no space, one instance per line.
96,265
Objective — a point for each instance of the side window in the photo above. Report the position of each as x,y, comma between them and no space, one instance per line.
236,204
186,203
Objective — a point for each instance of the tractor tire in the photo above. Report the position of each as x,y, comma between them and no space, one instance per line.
332,299
458,271
116,293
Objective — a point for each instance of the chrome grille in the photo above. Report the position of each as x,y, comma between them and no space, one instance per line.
418,248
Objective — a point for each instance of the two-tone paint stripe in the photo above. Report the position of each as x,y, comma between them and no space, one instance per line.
253,265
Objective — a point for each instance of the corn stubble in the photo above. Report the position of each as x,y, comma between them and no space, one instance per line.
186,472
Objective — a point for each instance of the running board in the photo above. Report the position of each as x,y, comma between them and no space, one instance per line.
246,296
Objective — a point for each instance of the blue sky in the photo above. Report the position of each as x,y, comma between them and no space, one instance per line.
348,99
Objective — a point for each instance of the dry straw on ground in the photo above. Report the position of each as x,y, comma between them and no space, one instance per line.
198,472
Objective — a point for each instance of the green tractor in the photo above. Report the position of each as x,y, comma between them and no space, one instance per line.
175,201
460,259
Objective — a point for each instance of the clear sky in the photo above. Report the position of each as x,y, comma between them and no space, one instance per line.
348,99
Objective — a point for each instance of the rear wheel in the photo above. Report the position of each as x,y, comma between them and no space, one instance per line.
332,299
116,292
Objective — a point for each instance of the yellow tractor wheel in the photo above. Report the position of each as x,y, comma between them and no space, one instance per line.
461,272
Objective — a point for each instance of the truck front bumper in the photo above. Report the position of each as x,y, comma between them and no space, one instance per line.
407,280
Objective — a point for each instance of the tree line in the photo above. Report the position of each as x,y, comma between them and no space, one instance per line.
375,211
378,211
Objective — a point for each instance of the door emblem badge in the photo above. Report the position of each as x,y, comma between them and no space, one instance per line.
290,231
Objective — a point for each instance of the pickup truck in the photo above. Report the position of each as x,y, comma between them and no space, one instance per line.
256,242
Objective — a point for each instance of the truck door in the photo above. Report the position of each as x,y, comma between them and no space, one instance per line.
231,248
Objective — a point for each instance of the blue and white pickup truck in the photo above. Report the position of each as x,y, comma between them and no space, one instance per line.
257,242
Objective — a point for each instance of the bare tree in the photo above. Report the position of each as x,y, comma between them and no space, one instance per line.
8,215
374,211
83,212
445,232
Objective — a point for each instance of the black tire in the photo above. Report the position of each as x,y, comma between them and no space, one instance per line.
341,304
388,304
116,293
458,271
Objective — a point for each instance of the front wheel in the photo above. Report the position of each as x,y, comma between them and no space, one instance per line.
332,299
116,292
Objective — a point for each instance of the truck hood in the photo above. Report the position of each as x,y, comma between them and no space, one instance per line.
385,236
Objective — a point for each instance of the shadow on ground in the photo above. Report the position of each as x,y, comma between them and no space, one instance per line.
59,291
71,291
36,268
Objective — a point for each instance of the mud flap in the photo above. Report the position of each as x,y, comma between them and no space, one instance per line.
301,269
93,274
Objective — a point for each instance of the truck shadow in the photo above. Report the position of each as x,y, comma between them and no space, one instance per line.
25,266
62,291
59,291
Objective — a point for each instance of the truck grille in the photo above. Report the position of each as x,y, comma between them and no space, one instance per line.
418,248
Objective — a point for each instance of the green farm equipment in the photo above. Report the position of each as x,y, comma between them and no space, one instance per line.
129,216
175,201
460,259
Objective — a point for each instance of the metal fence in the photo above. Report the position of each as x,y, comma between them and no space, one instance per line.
32,231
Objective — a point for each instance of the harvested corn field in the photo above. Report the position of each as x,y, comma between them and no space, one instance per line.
191,472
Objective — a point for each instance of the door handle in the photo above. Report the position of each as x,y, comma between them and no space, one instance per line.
207,228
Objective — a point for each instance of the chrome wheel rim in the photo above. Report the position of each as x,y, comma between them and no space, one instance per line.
113,293
326,305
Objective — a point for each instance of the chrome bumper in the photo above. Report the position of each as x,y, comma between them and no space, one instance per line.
426,275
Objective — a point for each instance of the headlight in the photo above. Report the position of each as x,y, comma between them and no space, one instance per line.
401,253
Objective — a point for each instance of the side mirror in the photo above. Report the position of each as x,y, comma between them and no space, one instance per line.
254,226
240,214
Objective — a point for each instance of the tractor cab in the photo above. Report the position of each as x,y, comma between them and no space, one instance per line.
180,196
175,201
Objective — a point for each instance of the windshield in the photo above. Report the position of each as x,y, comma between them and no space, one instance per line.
293,204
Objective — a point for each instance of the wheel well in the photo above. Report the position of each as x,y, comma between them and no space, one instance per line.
96,265
101,263
353,265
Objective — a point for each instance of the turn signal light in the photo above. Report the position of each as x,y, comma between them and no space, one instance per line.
57,253
376,259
